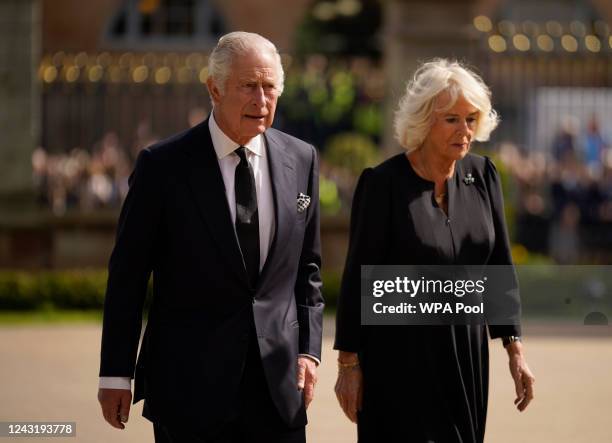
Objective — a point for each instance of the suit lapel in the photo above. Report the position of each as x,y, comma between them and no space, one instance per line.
206,183
284,189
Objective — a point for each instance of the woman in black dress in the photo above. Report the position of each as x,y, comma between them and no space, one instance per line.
436,204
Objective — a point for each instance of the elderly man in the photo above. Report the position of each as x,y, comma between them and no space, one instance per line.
226,216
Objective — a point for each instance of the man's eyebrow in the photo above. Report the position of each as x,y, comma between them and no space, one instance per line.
262,81
249,78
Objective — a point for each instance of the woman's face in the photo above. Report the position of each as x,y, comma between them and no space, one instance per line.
452,130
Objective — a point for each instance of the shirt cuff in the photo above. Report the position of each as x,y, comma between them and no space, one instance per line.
312,357
115,383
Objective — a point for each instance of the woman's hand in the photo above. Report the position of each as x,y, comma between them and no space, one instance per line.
521,374
349,385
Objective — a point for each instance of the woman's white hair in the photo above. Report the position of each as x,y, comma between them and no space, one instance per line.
414,115
236,44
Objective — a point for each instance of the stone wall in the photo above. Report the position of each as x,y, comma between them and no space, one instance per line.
19,101
86,241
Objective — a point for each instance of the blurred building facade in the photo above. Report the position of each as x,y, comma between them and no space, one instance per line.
120,64
527,52
116,75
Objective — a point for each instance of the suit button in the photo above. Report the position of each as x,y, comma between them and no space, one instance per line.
448,221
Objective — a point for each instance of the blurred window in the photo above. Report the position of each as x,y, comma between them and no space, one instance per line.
160,24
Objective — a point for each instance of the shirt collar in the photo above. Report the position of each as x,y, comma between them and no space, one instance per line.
224,145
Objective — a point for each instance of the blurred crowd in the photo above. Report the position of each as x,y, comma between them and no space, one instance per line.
560,198
93,178
87,179
563,195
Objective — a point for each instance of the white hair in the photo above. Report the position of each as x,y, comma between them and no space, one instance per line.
236,44
414,115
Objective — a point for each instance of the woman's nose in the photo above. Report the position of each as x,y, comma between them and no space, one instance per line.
465,128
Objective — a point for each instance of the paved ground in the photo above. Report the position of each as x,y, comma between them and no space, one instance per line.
49,373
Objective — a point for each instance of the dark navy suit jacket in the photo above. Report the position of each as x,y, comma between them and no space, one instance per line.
175,223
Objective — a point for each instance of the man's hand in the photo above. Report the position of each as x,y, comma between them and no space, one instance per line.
307,378
521,374
115,406
349,385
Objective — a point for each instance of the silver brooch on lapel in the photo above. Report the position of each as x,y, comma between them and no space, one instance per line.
303,201
468,179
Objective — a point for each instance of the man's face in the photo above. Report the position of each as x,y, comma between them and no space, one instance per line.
246,107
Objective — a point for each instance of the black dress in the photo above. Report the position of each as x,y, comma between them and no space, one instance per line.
423,383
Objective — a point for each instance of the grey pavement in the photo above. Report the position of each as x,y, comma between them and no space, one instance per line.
50,373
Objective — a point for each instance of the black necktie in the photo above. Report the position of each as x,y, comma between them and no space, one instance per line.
247,220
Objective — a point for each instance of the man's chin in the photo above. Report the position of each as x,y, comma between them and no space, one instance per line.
254,130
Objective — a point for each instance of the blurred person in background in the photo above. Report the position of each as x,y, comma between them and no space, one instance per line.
144,137
40,175
564,143
564,237
594,149
435,204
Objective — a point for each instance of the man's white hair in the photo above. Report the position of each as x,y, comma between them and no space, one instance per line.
236,44
414,116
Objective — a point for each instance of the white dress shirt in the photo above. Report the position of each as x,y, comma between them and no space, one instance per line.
228,160
256,155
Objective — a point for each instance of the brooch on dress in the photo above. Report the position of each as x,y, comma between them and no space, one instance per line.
468,179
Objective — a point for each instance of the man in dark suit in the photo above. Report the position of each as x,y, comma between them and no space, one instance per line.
226,216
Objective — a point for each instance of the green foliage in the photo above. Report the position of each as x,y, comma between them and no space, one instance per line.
342,97
328,196
330,29
50,316
367,119
21,290
351,151
546,291
81,291
521,256
564,292
331,288
323,98
49,290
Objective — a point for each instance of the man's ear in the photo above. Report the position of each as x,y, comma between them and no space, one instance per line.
213,90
